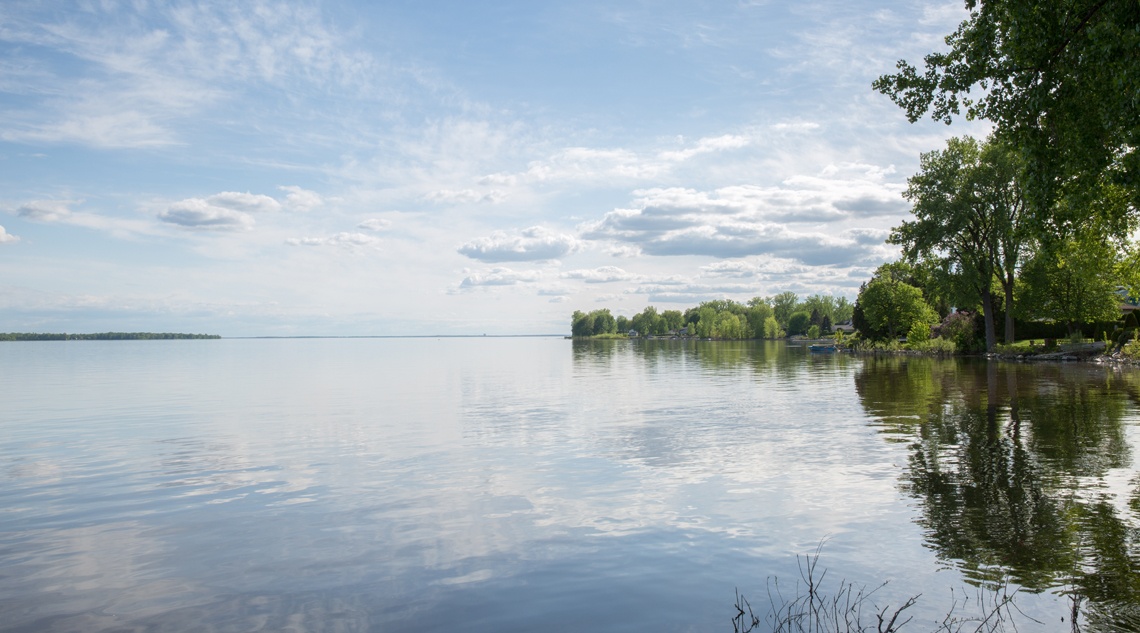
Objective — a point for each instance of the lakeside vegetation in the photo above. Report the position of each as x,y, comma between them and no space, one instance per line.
102,336
1036,221
782,315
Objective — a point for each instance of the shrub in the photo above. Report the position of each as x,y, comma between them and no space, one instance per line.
919,333
960,328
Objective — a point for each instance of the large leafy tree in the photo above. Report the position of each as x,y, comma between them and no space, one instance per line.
970,212
783,305
892,307
1071,280
1059,79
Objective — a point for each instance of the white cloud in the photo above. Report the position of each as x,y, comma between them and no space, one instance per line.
465,196
554,290
228,210
707,146
603,274
128,129
244,202
498,277
375,224
6,237
531,244
196,213
61,212
798,220
766,268
45,210
298,199
589,164
339,239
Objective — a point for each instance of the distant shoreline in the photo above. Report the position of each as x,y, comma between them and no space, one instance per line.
103,336
175,336
320,336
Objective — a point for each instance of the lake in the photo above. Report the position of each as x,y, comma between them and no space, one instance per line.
522,484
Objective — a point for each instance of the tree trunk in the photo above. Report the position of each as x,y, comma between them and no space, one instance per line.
988,314
1008,287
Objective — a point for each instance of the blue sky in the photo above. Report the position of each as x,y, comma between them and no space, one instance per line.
354,168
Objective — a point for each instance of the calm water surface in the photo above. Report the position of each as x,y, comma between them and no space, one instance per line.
541,484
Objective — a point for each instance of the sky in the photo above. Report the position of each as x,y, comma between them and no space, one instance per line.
417,168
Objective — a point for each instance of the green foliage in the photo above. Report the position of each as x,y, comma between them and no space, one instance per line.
961,329
604,322
798,323
918,333
1058,79
758,312
729,326
723,318
934,346
648,322
581,324
969,211
772,328
1131,350
596,323
783,305
813,331
893,307
1071,281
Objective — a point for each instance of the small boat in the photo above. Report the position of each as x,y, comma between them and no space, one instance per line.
823,347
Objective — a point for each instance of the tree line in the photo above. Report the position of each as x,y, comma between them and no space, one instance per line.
784,314
103,336
1034,222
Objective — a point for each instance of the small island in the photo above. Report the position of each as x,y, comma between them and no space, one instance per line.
103,336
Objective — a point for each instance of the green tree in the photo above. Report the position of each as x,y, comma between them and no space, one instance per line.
581,324
783,305
1058,79
1071,280
604,322
758,312
970,213
772,328
648,321
798,323
893,307
674,320
728,326
706,322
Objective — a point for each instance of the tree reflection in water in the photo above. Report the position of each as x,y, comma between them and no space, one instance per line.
1013,467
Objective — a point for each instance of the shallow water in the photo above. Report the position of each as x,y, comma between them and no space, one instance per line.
515,484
